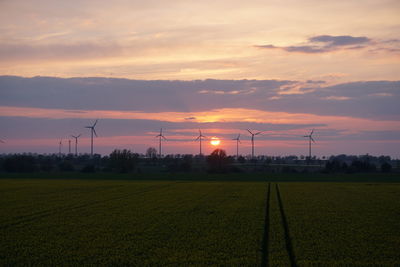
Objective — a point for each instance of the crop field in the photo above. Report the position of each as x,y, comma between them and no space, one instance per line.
105,222
343,224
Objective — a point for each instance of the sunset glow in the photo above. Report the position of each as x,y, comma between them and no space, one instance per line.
215,141
205,133
281,67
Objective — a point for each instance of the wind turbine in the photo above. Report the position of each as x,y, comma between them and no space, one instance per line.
59,147
92,131
252,142
309,143
201,136
76,143
237,145
161,137
69,146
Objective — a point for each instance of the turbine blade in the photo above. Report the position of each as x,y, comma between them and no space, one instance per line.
249,131
94,131
312,139
78,135
312,132
306,136
163,137
95,123
257,133
197,138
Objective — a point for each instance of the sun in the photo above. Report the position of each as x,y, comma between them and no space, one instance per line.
215,141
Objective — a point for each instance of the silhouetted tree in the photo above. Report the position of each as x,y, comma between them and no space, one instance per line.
241,159
333,166
20,163
187,163
218,161
123,160
362,166
66,165
151,152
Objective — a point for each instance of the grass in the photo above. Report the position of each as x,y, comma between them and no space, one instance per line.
188,222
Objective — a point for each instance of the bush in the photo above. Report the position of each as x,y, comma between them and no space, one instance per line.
66,166
89,168
386,167
20,163
361,166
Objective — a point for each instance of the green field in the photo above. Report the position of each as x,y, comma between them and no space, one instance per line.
105,222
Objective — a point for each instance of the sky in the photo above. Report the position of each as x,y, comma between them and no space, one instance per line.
280,67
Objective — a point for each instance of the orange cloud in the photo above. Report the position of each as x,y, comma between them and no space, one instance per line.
348,124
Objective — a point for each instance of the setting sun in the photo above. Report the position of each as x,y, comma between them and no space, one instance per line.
215,141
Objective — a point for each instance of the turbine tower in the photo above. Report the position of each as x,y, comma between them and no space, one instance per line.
201,136
92,131
69,146
59,147
161,137
237,145
309,143
252,142
76,143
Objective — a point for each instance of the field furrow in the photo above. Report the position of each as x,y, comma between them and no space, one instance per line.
343,223
277,253
192,223
288,239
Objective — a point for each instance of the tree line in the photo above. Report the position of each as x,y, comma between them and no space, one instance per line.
125,161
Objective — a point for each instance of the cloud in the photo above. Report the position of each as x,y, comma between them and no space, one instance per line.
299,88
316,82
239,118
46,107
339,98
190,118
381,95
228,92
106,127
343,40
57,51
308,49
323,44
375,99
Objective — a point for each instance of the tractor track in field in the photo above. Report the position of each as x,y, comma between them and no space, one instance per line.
24,219
265,240
288,241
